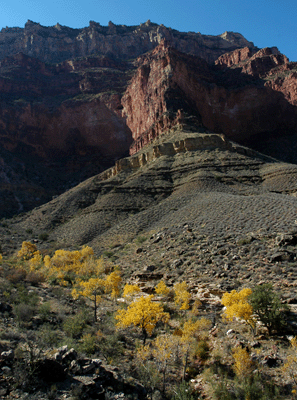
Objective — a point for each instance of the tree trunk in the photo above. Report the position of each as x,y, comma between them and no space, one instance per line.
95,307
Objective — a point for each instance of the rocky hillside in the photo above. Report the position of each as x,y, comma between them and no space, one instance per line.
183,178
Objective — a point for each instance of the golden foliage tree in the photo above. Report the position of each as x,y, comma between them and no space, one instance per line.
143,313
66,267
290,366
146,366
130,290
27,251
113,283
182,295
237,306
92,289
243,365
163,350
162,289
191,333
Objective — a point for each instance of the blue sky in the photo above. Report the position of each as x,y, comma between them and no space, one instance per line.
266,23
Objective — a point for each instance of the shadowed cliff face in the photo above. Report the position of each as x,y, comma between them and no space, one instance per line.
244,95
59,124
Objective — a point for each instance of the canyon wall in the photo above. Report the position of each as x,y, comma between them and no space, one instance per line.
246,93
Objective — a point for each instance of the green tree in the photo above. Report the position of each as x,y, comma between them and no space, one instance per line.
267,306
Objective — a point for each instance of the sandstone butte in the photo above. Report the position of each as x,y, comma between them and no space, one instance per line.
74,101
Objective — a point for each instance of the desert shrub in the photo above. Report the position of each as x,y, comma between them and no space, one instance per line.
74,326
140,239
24,296
49,337
10,334
43,236
202,350
88,344
16,275
253,387
183,391
35,278
110,346
24,312
45,311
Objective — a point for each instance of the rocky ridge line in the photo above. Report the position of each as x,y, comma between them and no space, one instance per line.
58,43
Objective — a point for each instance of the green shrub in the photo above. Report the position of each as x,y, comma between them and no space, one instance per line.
24,312
43,236
75,325
183,392
140,239
202,350
89,344
45,311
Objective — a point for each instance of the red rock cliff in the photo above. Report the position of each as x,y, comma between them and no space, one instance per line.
245,94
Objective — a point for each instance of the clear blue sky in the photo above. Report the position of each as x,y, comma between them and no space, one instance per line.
266,23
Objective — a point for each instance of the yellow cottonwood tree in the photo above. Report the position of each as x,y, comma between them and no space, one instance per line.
143,313
67,267
182,296
191,332
162,289
237,306
130,290
92,289
243,365
112,284
290,366
163,351
147,368
35,262
27,251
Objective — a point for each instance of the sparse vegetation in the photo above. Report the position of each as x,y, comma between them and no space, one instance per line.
166,346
